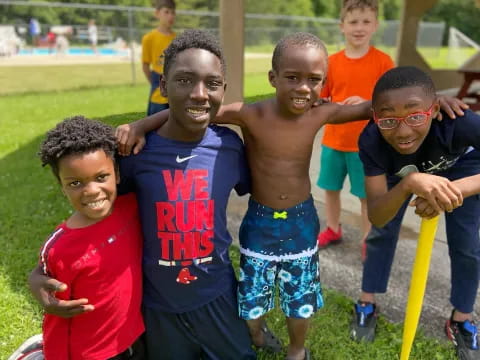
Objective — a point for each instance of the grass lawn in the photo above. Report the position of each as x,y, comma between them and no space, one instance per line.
63,77
32,205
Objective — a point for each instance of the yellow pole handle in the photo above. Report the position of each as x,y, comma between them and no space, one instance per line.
418,283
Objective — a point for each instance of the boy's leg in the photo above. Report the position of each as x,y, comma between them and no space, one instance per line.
221,333
300,297
464,249
297,333
256,291
332,209
168,336
357,182
381,244
333,169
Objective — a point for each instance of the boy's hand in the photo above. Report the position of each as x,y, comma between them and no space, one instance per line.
423,208
44,288
128,136
452,106
352,100
441,193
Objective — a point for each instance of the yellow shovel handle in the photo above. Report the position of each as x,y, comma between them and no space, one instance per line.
418,283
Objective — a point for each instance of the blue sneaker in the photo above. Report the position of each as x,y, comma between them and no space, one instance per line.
364,322
464,336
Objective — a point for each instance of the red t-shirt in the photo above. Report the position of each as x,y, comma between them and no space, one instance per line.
102,263
349,77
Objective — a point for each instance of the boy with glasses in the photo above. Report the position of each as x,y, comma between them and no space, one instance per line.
405,153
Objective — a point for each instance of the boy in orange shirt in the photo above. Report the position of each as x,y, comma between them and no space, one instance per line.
352,74
154,44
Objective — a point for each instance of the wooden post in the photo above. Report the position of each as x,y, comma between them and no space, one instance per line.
232,39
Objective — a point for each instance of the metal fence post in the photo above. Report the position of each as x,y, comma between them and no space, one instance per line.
132,48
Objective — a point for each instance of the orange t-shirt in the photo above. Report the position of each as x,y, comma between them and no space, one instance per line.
351,77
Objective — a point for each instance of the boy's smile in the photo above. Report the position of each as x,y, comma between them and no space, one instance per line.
299,79
195,87
89,182
405,139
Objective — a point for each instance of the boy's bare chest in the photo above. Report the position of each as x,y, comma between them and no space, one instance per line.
288,142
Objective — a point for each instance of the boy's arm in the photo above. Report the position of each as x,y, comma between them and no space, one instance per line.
133,135
43,288
233,114
383,204
339,114
147,72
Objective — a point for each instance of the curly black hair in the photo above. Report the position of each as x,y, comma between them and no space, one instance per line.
192,39
76,135
402,77
299,39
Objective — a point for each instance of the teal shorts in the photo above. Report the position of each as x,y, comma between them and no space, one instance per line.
334,167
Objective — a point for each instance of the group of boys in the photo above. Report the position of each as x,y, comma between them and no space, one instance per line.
192,305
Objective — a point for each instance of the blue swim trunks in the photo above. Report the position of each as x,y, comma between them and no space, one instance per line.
279,246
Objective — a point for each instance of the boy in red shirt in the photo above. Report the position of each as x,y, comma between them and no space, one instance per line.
96,252
352,74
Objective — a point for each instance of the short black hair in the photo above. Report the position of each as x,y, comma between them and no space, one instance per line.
76,135
299,39
402,77
170,4
193,39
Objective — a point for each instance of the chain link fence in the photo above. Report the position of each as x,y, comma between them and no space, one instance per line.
121,28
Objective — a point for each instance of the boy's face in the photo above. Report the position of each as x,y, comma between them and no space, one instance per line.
300,76
195,86
399,103
358,27
89,182
165,16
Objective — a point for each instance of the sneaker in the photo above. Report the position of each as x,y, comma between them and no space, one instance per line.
329,237
364,321
464,336
31,349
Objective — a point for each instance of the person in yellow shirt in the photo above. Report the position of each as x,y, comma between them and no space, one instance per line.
154,44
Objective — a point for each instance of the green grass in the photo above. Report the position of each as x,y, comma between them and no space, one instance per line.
32,205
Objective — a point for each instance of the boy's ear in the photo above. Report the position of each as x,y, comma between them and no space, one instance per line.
163,86
272,78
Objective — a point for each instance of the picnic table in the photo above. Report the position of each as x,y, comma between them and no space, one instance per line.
469,77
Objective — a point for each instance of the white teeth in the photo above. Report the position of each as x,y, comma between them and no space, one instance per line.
299,101
96,204
196,111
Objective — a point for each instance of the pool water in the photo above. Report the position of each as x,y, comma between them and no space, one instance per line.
74,51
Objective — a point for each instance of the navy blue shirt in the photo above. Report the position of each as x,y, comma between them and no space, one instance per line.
444,144
182,190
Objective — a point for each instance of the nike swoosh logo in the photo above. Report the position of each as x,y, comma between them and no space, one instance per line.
180,160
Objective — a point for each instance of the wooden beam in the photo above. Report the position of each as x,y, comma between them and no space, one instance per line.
232,39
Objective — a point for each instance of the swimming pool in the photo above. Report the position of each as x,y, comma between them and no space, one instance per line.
75,51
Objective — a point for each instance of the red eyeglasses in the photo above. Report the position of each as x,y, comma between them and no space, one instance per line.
415,119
